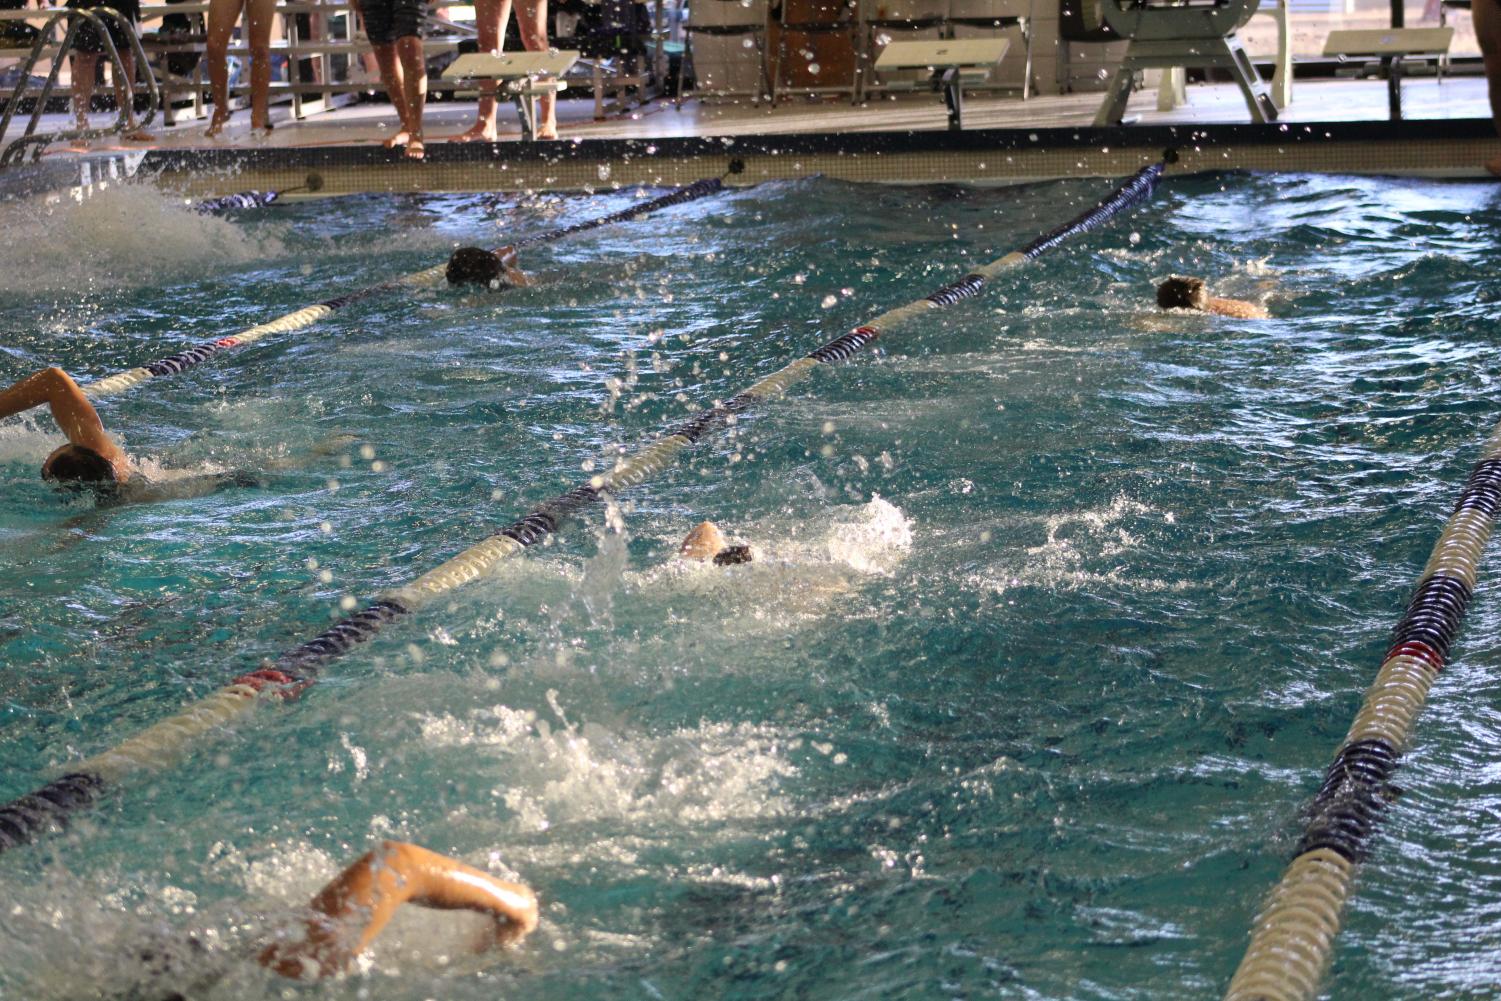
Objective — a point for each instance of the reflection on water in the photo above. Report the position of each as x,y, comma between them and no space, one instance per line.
1059,606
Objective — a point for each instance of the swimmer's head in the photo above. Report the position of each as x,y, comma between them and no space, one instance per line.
1183,293
74,464
731,555
475,266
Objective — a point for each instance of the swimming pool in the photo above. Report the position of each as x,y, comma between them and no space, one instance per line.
1063,609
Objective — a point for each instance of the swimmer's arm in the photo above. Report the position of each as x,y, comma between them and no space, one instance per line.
1238,308
514,275
70,408
353,909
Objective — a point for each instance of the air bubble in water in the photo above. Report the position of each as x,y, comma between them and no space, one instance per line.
829,301
1135,238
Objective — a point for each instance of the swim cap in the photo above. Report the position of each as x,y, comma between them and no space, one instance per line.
474,266
76,464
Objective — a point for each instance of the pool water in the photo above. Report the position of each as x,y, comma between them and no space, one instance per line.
1061,606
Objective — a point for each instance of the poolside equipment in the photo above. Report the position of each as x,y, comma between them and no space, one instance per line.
521,76
32,142
243,200
1392,45
951,64
293,671
1167,34
309,315
1293,936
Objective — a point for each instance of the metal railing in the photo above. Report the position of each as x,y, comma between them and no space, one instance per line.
30,139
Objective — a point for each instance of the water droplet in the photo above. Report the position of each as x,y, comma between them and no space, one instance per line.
829,301
813,68
1135,238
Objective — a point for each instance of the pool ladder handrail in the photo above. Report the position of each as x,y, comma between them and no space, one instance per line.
15,152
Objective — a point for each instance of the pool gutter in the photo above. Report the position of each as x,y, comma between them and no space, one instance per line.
1431,148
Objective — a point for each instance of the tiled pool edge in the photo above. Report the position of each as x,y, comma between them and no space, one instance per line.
1430,148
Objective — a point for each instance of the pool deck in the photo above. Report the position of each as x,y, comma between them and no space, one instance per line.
1332,126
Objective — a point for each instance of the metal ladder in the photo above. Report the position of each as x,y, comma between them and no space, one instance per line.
29,140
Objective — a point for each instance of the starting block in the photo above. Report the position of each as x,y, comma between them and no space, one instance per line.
521,76
953,62
1391,45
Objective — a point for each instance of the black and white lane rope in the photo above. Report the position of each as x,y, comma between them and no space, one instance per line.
1293,935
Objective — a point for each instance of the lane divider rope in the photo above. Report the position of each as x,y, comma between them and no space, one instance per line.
1292,937
120,382
24,819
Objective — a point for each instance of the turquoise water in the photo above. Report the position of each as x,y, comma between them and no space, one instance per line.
1062,604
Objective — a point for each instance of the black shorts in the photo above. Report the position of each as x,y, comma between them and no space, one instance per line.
388,20
88,40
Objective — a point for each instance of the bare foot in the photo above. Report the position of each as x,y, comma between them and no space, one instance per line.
548,135
414,149
140,136
478,132
398,138
215,126
1493,165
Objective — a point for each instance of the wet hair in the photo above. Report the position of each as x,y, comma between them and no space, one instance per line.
474,266
76,464
731,555
1183,293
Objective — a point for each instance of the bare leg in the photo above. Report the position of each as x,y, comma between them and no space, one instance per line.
258,14
85,69
414,88
1488,32
531,18
351,910
490,18
222,15
125,97
391,79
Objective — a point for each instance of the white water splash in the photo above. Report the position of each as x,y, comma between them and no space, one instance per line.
1082,549
122,236
550,775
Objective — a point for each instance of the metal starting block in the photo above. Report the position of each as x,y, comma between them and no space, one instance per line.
953,63
521,76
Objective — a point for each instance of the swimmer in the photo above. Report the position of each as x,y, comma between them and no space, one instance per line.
91,455
350,911
1193,294
92,460
494,269
706,544
347,914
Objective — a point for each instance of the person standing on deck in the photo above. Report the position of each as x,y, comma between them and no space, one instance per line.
88,47
222,15
394,29
490,18
1487,14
